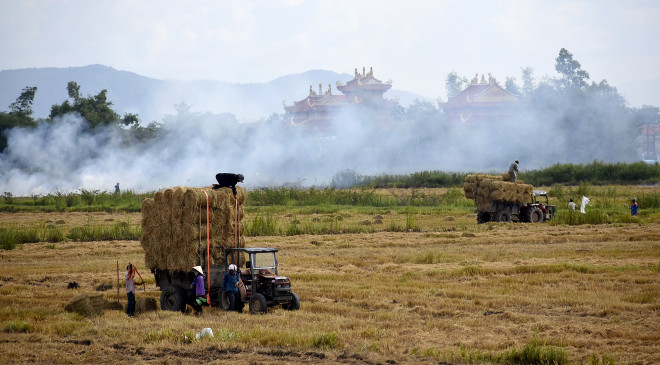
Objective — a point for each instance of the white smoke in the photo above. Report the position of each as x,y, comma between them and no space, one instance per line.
65,155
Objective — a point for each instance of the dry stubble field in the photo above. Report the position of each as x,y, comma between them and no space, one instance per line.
444,296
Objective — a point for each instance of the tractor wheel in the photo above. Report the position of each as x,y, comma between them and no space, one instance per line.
483,217
502,216
535,215
173,298
258,304
294,304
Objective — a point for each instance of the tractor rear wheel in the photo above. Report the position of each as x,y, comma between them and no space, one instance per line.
294,304
535,215
258,304
173,298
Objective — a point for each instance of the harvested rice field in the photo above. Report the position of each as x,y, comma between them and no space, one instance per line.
461,293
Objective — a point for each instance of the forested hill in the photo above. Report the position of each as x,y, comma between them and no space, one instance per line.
151,98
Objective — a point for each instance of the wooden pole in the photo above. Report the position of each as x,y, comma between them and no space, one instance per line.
117,281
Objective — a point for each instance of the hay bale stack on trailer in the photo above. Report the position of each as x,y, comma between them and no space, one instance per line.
174,238
500,200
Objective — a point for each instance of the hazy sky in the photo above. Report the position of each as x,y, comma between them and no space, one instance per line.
413,43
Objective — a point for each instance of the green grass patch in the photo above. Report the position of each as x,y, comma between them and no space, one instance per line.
534,353
326,341
18,326
99,232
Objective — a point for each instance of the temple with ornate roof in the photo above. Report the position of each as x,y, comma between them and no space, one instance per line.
481,101
649,140
363,96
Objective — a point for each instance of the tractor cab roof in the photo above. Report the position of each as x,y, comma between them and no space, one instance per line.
539,193
253,249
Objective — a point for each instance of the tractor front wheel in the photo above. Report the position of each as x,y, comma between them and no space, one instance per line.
294,304
258,304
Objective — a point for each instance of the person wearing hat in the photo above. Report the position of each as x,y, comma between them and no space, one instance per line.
513,170
229,288
633,208
198,291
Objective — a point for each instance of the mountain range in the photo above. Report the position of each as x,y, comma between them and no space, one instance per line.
151,99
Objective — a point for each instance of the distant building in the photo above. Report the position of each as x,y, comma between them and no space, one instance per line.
362,96
649,141
482,101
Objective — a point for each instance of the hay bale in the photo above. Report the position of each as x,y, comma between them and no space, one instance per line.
89,305
506,176
143,305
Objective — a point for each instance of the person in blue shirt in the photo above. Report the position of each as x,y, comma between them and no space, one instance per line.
633,208
229,288
198,291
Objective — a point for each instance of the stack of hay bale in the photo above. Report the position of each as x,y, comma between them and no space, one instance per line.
485,189
174,226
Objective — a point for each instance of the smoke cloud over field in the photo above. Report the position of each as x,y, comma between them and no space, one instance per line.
65,155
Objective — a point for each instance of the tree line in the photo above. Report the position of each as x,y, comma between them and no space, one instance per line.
95,109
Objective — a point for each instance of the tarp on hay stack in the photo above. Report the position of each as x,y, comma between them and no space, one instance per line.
174,226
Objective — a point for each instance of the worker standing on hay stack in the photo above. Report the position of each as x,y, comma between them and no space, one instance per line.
227,180
198,292
513,170
130,289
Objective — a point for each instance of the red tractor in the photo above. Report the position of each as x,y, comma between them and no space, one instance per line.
263,286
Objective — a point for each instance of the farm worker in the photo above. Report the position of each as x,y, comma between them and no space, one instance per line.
585,201
571,204
513,170
197,286
633,208
117,188
130,289
230,289
227,180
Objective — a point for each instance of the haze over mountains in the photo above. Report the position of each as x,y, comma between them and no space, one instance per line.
151,98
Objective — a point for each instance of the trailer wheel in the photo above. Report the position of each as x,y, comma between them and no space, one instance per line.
258,304
503,216
483,217
173,298
535,215
294,304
